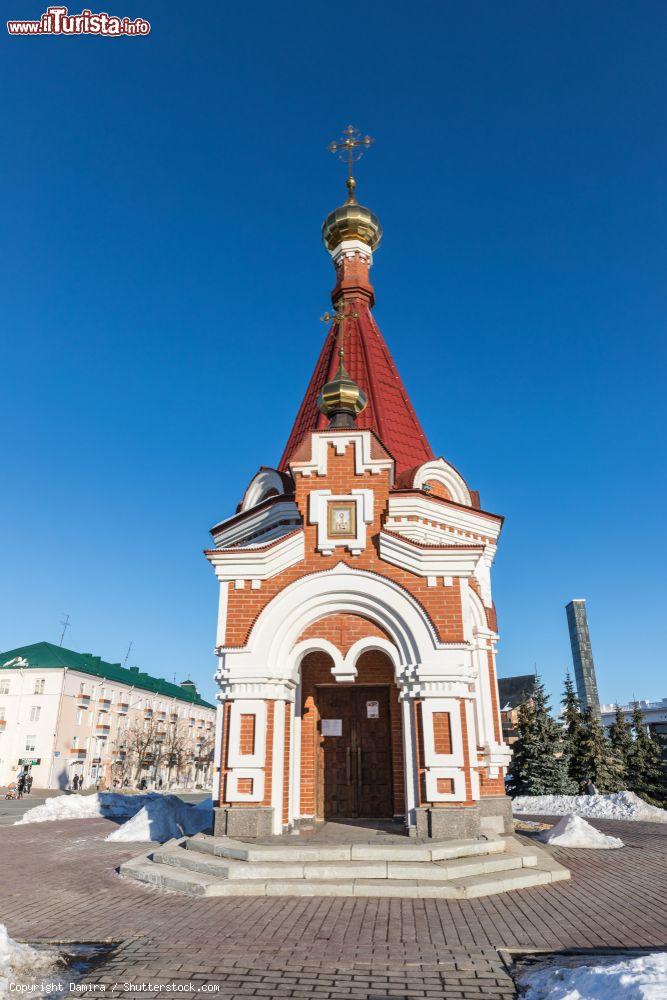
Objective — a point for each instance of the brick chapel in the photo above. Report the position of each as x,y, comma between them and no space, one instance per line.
356,628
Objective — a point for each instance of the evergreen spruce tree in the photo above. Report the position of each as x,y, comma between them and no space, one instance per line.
571,724
594,756
521,749
646,775
539,766
621,742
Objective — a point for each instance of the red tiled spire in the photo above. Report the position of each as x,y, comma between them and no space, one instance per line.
367,359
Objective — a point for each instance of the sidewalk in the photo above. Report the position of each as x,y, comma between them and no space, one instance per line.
59,884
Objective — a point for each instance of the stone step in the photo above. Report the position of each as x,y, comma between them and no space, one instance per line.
224,847
197,884
326,871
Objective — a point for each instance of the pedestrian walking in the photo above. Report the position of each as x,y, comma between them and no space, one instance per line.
75,783
20,785
28,782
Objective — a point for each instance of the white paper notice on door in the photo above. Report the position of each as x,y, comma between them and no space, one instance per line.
332,727
372,709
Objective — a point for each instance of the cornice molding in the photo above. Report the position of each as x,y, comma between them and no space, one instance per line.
258,563
270,519
316,465
454,560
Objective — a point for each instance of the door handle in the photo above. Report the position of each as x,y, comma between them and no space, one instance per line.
347,764
359,768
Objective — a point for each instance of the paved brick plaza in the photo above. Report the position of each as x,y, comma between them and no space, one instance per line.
59,884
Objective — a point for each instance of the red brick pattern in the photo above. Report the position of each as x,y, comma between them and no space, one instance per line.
437,489
441,605
343,630
244,786
247,734
444,786
442,733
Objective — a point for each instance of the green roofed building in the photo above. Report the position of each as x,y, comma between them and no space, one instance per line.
65,714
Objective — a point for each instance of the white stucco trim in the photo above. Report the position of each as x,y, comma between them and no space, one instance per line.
318,513
272,520
216,789
456,774
223,599
317,464
428,709
234,756
278,765
232,793
262,483
436,562
423,513
442,472
250,563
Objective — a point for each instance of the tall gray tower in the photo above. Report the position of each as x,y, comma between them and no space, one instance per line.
582,656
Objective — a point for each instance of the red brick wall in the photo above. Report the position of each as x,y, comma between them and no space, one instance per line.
343,630
438,490
442,732
247,734
442,605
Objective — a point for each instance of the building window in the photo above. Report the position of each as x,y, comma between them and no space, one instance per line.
4,686
75,742
39,685
82,687
30,743
79,717
35,713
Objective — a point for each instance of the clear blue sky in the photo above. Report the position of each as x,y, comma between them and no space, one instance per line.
162,268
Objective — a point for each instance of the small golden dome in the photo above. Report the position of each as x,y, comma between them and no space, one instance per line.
341,399
351,221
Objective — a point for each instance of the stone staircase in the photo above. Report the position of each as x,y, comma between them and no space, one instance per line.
452,869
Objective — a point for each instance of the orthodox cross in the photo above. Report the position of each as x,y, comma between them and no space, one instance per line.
351,146
338,319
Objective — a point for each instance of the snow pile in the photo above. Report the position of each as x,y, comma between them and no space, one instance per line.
19,963
111,805
616,805
573,831
165,817
643,978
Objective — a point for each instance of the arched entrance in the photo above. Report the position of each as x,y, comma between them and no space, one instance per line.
351,740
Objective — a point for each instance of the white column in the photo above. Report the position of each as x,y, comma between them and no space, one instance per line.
278,768
410,759
296,756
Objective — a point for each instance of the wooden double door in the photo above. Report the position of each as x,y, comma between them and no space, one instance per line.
355,752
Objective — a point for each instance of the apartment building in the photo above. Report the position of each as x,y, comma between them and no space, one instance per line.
64,713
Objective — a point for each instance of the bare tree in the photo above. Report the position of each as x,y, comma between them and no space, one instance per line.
143,744
204,753
175,749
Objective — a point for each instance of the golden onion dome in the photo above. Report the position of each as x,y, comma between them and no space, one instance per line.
351,221
341,399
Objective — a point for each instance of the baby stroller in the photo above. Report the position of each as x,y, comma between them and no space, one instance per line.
12,791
